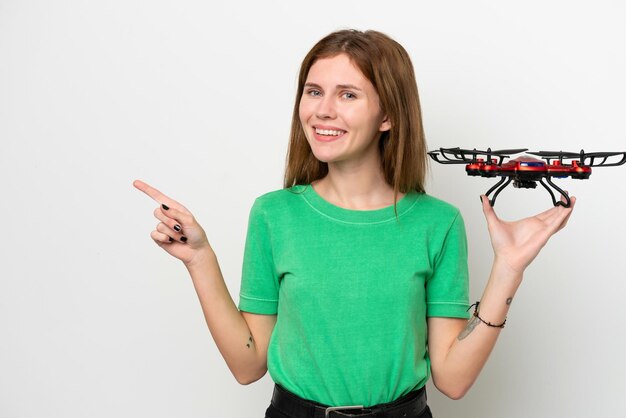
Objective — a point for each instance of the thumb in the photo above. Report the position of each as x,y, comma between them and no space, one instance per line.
488,211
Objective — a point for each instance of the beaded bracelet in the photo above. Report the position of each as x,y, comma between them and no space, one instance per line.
475,305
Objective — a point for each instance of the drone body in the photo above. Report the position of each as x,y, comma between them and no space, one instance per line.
525,171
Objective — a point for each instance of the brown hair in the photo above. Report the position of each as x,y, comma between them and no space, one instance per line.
386,64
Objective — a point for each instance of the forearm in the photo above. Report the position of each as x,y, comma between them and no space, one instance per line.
180,235
456,372
459,350
229,329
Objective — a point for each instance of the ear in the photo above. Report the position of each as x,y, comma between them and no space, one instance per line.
385,125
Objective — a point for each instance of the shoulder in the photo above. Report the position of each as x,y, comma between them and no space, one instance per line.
280,197
434,216
281,210
278,202
436,207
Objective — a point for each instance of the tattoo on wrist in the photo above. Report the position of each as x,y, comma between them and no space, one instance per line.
509,300
250,341
471,324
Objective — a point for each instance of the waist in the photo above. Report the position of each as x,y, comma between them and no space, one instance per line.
409,405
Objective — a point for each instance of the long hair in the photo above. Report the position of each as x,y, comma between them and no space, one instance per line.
386,64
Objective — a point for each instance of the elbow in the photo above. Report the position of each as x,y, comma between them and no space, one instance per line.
453,394
245,379
452,390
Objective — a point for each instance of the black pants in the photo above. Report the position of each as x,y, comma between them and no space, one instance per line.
272,412
275,413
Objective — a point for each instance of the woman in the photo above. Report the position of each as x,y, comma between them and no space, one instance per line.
354,287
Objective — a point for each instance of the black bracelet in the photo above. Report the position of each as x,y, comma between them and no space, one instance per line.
475,305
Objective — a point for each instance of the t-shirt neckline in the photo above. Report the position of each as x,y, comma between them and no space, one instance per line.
330,210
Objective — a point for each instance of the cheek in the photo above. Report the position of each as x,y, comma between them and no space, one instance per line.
304,115
304,111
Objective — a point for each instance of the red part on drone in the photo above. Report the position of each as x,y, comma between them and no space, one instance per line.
525,171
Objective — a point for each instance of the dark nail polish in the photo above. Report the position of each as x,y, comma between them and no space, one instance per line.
164,206
183,239
171,239
481,199
177,228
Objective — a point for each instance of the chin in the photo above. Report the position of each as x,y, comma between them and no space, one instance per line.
325,157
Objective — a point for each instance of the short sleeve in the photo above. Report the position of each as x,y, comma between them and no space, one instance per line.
259,281
447,290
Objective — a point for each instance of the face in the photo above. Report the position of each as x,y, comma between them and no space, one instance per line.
340,113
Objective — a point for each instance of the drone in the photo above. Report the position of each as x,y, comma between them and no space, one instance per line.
525,171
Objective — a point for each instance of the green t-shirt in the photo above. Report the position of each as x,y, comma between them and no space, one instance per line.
352,290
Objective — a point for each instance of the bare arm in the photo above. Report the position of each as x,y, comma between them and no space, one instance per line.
242,338
458,348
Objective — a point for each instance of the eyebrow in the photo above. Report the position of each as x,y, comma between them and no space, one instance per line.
339,86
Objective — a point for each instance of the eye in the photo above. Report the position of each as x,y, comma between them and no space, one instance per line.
348,95
313,92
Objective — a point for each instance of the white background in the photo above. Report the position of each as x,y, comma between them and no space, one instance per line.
196,97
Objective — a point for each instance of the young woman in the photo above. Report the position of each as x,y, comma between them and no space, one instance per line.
354,287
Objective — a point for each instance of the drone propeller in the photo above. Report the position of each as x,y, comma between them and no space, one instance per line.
502,154
586,159
509,151
465,156
556,154
499,153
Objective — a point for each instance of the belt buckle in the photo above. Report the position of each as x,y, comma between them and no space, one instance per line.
340,408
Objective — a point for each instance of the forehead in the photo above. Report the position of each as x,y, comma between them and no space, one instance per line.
338,69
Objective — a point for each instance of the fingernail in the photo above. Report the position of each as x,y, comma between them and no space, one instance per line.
177,228
171,239
183,239
481,199
164,206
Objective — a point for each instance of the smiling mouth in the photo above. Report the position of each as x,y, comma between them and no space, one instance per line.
327,135
329,132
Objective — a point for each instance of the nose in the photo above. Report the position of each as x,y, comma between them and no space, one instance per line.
326,108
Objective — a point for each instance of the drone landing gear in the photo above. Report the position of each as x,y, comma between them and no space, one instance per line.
567,202
501,185
529,184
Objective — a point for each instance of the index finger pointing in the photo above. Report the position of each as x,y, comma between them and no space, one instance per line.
153,193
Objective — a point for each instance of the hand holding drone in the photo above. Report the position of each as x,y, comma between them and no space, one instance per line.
525,171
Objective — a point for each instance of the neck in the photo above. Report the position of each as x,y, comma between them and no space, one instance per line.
358,187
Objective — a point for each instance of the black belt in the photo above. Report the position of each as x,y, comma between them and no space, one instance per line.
410,405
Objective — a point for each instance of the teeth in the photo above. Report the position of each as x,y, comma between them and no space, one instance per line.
328,132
